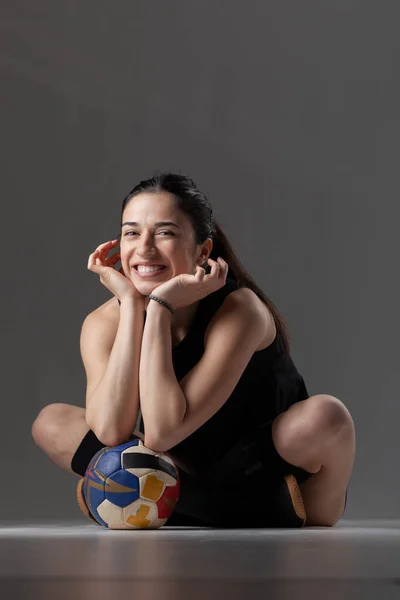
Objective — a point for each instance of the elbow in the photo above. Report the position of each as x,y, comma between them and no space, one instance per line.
154,445
110,438
114,438
107,438
107,435
159,443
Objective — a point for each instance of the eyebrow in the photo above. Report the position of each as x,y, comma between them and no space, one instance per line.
157,224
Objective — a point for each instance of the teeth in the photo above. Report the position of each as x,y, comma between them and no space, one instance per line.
148,269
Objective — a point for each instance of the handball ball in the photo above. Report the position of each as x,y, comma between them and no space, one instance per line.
131,487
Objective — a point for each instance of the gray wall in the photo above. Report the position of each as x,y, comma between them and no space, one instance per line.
286,113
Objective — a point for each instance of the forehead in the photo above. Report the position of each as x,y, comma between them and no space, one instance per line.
145,208
145,203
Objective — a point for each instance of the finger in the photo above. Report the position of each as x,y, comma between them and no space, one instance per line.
100,261
105,250
200,273
92,266
92,260
95,259
96,254
106,247
222,272
224,265
101,252
215,268
110,243
110,261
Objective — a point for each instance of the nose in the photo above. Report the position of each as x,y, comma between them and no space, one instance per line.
145,240
145,247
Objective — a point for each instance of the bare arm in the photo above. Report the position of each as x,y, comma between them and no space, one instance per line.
112,399
162,400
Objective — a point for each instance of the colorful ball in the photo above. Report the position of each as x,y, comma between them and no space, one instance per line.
131,487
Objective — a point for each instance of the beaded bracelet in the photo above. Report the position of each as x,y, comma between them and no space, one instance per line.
153,297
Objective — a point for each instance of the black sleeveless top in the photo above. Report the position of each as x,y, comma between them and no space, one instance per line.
269,385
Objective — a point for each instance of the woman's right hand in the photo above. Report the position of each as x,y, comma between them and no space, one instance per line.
114,280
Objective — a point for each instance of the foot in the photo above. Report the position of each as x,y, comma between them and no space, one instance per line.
82,503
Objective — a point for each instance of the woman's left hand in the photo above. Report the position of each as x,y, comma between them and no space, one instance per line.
185,289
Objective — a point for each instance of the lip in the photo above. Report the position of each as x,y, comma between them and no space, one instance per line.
154,274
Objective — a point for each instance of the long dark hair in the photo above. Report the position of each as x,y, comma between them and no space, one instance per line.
198,209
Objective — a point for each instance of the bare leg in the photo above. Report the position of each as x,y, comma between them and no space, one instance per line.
318,435
60,428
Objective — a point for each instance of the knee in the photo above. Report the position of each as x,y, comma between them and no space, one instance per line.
312,420
47,422
328,414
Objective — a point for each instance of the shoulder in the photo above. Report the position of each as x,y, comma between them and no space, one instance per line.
107,314
109,309
243,298
245,307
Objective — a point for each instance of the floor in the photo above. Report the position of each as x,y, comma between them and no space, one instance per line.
78,559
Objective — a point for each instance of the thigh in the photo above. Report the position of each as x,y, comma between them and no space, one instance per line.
59,430
62,432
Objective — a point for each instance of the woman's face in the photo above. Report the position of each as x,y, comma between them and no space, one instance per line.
146,242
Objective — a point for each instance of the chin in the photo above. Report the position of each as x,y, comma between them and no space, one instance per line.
149,283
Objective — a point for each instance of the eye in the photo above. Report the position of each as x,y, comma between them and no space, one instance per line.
166,231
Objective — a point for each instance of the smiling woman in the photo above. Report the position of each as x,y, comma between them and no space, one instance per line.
207,371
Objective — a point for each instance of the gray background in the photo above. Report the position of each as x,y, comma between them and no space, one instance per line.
286,113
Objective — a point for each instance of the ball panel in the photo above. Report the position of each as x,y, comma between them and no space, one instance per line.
143,460
93,484
136,446
151,487
157,523
140,514
94,476
122,488
129,463
166,504
110,461
111,515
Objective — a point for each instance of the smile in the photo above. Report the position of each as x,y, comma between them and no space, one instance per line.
150,272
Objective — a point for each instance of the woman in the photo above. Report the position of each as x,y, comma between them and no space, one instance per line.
215,387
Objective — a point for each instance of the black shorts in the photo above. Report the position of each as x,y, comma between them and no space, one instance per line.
90,445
